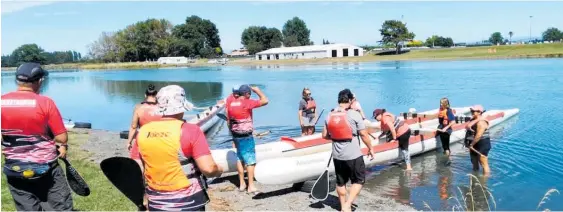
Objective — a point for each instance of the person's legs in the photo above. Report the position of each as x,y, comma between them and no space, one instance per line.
342,177
474,160
240,167
59,196
445,139
404,148
357,179
483,160
22,193
248,153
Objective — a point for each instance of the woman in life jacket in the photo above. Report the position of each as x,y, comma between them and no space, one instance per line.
446,119
478,140
396,130
307,113
142,114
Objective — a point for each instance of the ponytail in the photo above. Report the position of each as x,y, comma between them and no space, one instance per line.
151,90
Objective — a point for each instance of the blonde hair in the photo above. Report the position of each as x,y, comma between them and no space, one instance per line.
444,102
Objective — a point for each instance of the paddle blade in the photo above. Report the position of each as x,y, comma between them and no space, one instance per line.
75,181
125,174
321,187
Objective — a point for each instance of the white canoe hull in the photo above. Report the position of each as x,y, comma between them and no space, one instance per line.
304,145
208,118
287,170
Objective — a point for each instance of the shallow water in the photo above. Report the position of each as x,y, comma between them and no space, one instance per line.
526,158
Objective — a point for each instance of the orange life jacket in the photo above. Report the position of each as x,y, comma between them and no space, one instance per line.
159,147
399,125
338,126
311,106
148,113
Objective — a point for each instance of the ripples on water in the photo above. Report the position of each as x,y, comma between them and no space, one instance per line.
526,158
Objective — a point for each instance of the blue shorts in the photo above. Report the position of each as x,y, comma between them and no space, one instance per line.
246,151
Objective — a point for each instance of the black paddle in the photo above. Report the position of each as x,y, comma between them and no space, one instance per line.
322,111
222,116
75,181
321,187
125,174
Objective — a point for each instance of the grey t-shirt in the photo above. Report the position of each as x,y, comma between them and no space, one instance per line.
349,150
303,107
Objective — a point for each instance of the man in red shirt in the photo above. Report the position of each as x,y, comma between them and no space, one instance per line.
241,127
31,127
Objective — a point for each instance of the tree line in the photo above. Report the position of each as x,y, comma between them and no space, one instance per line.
260,38
34,53
153,38
551,34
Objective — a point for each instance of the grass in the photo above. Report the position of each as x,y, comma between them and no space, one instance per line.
502,52
466,201
103,197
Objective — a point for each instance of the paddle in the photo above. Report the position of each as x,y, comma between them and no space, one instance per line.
322,111
477,152
222,116
75,181
321,187
125,174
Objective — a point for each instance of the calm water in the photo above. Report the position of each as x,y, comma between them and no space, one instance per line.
526,158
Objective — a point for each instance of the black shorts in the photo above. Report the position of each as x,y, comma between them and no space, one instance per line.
483,146
445,139
350,170
404,140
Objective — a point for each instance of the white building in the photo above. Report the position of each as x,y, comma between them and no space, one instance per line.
311,52
172,60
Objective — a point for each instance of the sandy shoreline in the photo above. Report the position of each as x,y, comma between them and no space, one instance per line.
225,195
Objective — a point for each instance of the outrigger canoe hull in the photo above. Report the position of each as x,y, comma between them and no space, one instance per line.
297,169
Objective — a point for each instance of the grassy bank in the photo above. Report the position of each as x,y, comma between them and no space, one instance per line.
500,52
104,196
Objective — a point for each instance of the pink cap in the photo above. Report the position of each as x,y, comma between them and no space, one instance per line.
477,108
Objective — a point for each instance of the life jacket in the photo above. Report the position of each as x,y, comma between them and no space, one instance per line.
443,117
470,135
240,118
311,106
161,151
338,126
148,113
399,125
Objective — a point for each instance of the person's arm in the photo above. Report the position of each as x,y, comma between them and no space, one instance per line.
451,118
133,127
263,98
325,134
392,129
194,144
481,126
299,112
57,127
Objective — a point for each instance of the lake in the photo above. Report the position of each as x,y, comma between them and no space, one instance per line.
526,157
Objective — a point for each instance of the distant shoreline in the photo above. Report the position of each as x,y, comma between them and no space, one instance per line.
554,50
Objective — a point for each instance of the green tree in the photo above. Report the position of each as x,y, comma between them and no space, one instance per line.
510,34
496,38
28,53
296,33
395,32
196,36
552,34
259,38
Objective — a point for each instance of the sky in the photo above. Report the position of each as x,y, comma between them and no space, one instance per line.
72,25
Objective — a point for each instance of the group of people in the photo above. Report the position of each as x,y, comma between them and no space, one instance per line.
175,155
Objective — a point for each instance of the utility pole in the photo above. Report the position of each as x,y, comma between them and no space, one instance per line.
531,28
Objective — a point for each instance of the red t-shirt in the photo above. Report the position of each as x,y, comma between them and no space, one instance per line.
26,118
193,142
240,111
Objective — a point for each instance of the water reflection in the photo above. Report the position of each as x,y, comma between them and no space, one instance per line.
198,92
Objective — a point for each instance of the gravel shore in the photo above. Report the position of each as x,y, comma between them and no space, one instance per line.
226,197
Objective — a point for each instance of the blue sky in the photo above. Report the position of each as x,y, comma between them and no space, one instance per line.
74,25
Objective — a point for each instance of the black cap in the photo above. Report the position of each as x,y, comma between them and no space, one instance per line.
244,89
30,72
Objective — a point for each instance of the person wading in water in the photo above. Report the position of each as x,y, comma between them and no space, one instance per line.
307,113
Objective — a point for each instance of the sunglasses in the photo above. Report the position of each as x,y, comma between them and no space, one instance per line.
307,94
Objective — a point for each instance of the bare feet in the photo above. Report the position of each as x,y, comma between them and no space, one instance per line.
253,190
242,187
347,207
409,168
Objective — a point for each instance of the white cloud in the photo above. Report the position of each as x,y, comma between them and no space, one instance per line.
55,13
14,6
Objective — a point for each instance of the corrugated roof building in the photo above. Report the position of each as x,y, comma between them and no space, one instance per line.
311,52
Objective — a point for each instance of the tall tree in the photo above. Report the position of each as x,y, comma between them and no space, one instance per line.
510,34
196,35
496,38
552,34
105,48
28,53
395,32
296,33
259,38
